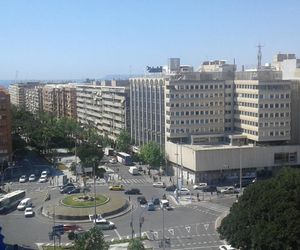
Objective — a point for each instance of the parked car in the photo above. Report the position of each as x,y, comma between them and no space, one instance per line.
69,184
159,184
44,174
226,247
171,188
116,187
29,212
23,179
229,190
142,200
66,189
200,186
183,191
209,189
133,191
75,190
43,179
156,201
32,177
150,206
104,224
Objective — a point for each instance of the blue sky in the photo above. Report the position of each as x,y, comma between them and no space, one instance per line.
60,39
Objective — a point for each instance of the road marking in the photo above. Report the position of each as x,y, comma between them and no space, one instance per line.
206,226
171,231
188,228
117,233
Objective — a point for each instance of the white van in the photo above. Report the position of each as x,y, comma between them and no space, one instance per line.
24,204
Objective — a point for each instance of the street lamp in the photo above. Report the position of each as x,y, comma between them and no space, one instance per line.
240,151
163,230
95,203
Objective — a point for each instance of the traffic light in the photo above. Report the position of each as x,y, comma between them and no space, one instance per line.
58,229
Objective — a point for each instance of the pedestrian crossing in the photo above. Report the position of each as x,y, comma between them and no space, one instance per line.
136,181
211,206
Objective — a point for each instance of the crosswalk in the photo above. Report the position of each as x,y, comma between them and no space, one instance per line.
211,206
136,181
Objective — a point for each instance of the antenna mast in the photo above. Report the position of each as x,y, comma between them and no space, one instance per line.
259,56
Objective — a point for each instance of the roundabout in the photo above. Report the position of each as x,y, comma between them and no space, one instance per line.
80,206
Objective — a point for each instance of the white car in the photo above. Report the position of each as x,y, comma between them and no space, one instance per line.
44,174
113,160
105,224
43,179
29,212
183,191
229,190
23,179
159,184
32,177
200,186
226,247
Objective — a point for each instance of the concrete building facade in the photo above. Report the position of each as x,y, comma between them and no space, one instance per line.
105,108
60,100
34,99
5,127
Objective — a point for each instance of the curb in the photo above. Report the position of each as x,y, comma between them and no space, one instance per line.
220,218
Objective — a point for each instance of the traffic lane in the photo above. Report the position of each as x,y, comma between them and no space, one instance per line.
24,231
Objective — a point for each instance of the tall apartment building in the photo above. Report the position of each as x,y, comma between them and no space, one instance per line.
60,100
105,108
17,93
5,127
34,99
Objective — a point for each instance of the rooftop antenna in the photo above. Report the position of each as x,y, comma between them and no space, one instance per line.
259,56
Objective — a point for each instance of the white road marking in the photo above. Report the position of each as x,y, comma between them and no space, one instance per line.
117,233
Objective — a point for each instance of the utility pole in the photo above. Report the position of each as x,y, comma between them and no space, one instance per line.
163,214
177,170
241,170
181,166
54,227
95,203
131,222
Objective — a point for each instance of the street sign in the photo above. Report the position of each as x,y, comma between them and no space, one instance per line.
206,226
171,231
58,229
78,169
188,228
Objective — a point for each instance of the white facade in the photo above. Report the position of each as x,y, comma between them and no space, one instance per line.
208,163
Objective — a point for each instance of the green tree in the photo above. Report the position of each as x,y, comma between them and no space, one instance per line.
92,239
136,244
151,154
267,215
123,142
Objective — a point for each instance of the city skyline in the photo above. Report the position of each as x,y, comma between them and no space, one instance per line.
60,40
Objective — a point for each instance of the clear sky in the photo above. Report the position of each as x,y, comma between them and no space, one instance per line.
72,39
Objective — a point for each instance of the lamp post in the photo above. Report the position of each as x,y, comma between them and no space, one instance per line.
177,171
95,203
163,229
240,169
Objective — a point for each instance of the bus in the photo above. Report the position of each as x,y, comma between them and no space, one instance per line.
124,158
11,200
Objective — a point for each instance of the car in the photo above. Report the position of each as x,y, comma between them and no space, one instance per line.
229,190
150,206
69,184
104,224
29,212
200,186
171,188
226,247
159,184
32,177
133,191
183,191
118,187
156,201
43,179
66,190
209,189
142,200
113,161
75,190
23,179
44,174
72,228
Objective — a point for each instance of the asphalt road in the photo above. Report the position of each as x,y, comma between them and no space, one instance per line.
190,226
